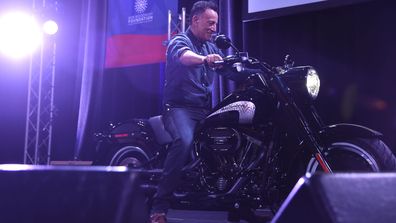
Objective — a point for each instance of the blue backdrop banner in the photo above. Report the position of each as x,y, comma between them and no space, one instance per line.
136,31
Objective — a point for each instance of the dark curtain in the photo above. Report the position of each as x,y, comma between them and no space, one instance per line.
90,67
230,25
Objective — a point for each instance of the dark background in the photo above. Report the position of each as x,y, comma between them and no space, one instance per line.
354,50
353,47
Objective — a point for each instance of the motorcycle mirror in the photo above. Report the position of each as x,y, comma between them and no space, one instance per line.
223,42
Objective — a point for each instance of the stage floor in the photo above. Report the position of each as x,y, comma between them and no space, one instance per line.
181,216
188,216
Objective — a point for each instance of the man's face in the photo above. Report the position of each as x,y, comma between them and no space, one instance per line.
206,24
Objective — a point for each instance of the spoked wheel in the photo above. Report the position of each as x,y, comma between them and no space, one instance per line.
356,155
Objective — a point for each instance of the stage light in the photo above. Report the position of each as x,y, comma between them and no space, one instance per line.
20,34
50,27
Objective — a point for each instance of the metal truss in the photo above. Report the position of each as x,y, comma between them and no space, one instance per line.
40,102
176,24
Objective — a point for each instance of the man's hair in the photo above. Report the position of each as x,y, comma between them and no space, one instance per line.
200,7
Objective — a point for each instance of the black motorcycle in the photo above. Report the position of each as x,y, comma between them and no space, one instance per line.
255,144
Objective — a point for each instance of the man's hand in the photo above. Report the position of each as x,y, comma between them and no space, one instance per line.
210,60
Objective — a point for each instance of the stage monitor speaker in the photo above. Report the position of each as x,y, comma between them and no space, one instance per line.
341,198
71,194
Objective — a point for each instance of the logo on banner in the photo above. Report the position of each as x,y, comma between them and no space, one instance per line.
140,6
141,17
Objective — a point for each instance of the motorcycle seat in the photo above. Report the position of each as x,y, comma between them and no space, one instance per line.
161,134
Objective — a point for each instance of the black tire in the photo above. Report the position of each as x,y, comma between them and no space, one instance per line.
128,155
357,155
352,155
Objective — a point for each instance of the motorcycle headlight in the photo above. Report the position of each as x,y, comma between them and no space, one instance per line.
313,83
303,82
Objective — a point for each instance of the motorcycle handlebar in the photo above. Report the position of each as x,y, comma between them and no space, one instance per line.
243,62
219,62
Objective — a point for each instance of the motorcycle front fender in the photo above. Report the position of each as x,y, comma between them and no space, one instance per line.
347,131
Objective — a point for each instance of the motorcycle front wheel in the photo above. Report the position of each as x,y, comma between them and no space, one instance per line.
356,155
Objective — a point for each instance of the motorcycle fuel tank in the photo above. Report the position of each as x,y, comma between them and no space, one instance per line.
246,107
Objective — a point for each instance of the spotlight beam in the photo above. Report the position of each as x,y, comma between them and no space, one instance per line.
20,34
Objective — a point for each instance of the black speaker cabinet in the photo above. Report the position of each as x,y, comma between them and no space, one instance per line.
341,198
70,194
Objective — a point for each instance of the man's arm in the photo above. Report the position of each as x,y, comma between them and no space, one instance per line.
189,58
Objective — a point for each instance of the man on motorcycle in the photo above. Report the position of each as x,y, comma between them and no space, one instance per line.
189,77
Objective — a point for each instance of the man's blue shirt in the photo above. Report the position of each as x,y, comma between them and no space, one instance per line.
188,86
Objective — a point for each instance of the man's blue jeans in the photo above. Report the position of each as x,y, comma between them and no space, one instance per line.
180,123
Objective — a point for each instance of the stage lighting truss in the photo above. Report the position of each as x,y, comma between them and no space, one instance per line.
40,103
176,24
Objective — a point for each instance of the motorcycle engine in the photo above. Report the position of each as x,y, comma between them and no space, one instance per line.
221,140
219,148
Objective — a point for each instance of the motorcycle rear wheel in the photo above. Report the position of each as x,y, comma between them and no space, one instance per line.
129,155
356,155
